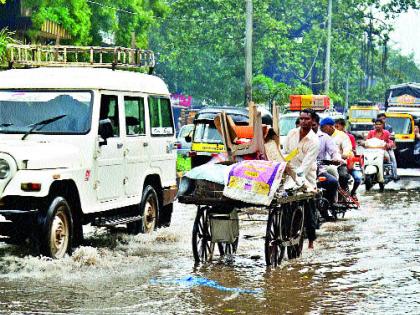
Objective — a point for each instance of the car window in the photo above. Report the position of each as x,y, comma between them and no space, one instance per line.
109,110
207,133
160,116
134,115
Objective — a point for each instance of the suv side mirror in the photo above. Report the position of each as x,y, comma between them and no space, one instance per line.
105,131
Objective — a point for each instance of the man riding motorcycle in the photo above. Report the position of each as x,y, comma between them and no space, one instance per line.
343,143
327,151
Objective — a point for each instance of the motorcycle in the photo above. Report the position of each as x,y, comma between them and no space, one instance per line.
377,165
345,201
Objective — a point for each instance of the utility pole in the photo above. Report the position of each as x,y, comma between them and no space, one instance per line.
328,53
347,94
248,53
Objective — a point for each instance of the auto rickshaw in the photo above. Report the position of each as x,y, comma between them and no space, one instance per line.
206,142
403,131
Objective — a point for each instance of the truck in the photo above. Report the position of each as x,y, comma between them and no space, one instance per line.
360,118
402,105
320,103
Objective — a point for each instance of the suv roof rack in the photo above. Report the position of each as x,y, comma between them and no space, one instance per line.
79,56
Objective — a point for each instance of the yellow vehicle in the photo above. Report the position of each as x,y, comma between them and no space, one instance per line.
360,118
206,141
402,104
403,132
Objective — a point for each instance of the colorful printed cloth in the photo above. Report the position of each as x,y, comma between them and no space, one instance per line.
254,181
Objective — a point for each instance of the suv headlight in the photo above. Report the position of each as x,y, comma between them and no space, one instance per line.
4,169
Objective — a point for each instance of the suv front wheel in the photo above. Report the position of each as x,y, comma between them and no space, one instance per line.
56,229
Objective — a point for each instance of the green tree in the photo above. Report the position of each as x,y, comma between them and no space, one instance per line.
6,37
73,15
201,47
122,18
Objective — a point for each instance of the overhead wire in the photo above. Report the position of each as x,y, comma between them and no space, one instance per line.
158,17
303,79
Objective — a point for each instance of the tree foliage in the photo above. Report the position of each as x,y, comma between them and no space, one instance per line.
201,46
122,18
73,15
6,37
88,22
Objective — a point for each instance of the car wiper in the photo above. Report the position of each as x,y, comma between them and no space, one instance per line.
6,124
42,124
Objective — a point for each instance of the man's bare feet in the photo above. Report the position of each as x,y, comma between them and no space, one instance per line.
311,245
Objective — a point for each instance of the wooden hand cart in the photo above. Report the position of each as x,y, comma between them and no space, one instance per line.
217,223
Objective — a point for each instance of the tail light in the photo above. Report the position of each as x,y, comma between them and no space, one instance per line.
192,153
322,179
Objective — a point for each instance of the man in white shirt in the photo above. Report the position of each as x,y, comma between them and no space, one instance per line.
305,141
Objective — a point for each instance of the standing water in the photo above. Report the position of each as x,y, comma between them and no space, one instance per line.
367,262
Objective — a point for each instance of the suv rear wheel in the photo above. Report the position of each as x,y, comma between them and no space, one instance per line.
149,210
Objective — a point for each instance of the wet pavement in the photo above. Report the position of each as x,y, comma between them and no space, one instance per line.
367,262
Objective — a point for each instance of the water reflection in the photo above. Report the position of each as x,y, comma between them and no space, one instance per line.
367,262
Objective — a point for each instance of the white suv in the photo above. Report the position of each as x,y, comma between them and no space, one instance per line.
83,145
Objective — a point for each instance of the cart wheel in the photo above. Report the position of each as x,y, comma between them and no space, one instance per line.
201,237
228,248
296,231
274,251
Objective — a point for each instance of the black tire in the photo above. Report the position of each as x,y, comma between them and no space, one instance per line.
56,230
166,215
149,210
368,182
296,226
201,237
381,187
274,250
323,206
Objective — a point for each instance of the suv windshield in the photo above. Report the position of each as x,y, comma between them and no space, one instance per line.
20,110
206,133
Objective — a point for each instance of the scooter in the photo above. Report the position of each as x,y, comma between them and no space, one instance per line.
377,166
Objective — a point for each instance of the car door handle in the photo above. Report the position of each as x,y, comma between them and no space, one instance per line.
145,144
119,145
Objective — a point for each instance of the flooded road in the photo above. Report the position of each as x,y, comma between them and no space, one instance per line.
367,262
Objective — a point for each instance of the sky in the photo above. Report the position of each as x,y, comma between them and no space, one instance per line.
407,33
